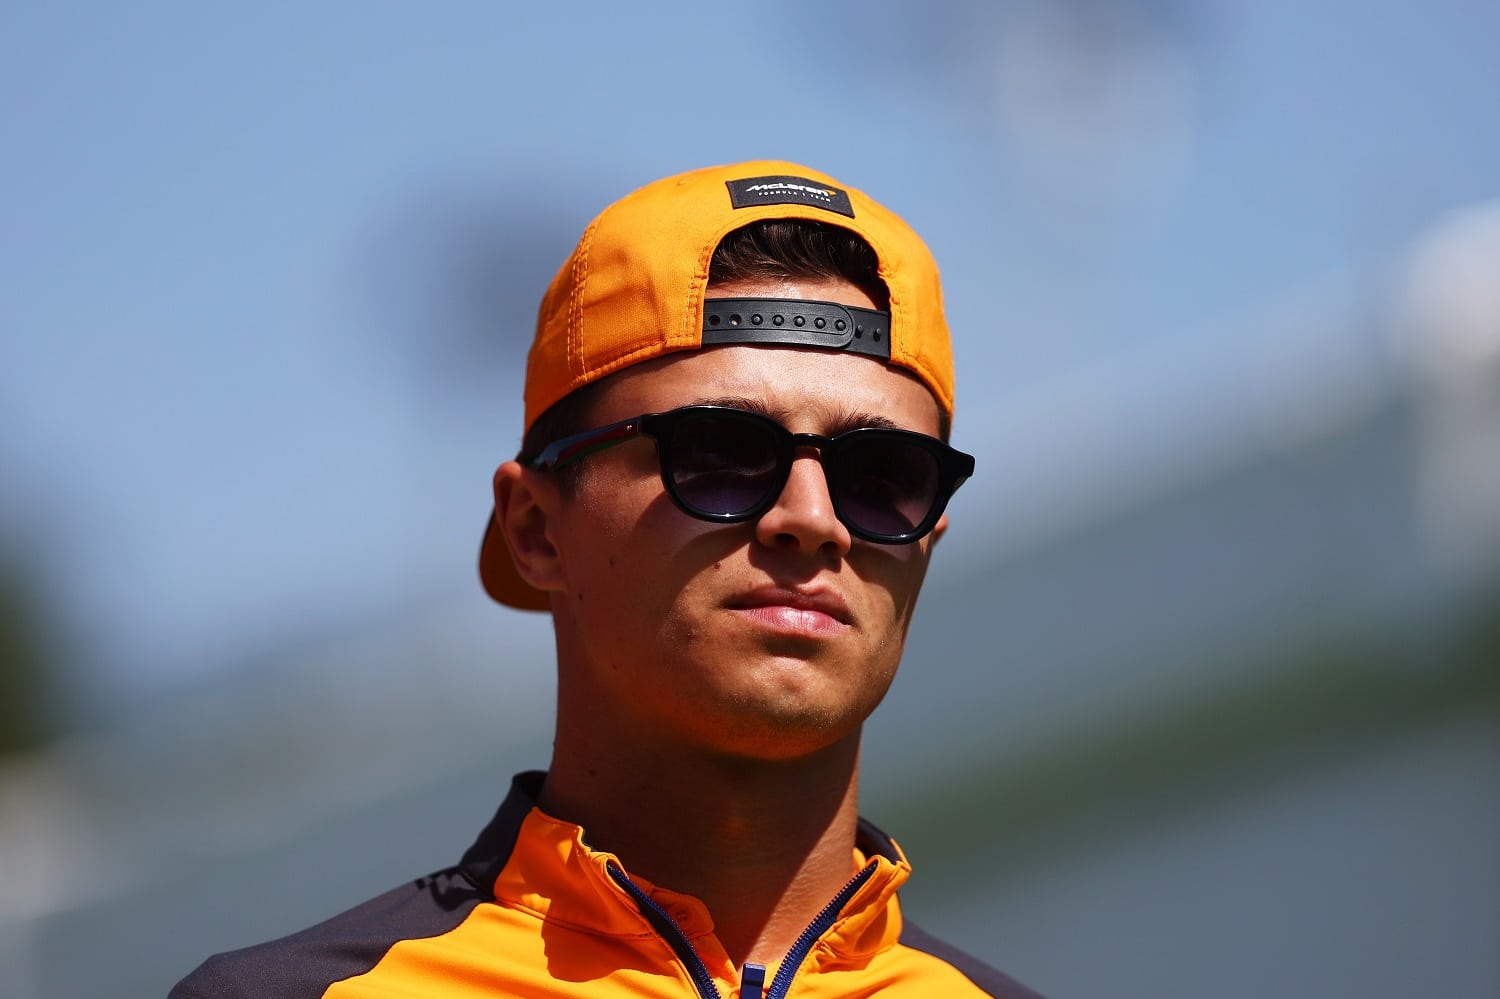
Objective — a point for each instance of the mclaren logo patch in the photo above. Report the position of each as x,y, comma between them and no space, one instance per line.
754,191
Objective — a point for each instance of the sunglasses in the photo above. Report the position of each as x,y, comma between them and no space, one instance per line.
729,465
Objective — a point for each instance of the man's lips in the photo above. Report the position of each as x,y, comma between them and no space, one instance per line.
792,605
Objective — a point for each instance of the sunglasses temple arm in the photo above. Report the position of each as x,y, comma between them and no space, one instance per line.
570,449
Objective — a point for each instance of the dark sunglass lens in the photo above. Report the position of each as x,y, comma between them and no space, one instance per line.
723,465
886,485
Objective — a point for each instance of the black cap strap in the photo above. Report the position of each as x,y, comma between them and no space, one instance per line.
797,322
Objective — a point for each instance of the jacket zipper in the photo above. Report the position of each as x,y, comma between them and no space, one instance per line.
668,928
815,929
753,975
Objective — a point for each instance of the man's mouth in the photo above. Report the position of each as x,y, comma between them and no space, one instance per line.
810,611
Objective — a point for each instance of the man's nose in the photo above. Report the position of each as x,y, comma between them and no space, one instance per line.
803,515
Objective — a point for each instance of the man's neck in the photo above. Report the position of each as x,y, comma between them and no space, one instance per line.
764,845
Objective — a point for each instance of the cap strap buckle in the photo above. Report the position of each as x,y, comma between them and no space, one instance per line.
797,322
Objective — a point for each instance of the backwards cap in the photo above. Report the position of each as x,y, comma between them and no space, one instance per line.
634,289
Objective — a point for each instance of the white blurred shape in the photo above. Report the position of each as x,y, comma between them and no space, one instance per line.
1449,331
1450,318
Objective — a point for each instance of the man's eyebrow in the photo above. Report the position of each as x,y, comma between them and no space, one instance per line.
840,423
738,402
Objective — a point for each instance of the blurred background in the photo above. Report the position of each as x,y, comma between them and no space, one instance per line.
1204,695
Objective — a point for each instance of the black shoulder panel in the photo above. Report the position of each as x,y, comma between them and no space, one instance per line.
996,983
303,965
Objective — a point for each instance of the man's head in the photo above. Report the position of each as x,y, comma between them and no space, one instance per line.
635,286
753,561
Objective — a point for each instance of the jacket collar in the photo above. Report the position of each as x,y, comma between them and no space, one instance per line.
527,859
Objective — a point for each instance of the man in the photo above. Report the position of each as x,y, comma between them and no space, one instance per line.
733,473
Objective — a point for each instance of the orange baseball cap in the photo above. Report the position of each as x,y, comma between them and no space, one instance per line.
634,289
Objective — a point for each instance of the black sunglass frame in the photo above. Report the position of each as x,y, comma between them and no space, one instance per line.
953,466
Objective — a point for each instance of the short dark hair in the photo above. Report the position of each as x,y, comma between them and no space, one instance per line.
773,249
789,249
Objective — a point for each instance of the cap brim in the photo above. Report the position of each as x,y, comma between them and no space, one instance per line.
497,571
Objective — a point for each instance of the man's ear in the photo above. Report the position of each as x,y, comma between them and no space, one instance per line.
939,528
525,502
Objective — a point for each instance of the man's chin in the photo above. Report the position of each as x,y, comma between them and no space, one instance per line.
786,728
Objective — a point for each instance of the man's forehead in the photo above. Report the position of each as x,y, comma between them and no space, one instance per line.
834,417
801,388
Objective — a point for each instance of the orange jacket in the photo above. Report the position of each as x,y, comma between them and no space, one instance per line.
532,911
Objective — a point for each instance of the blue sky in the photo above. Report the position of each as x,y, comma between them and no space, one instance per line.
252,257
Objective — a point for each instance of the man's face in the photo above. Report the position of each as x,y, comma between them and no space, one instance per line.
769,638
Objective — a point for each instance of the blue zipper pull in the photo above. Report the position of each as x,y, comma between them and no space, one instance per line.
752,981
